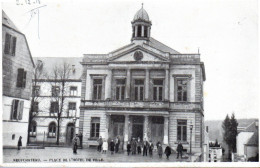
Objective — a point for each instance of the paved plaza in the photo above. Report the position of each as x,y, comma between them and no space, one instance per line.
61,155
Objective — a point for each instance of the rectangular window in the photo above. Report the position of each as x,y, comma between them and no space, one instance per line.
72,109
145,31
55,90
10,44
21,78
139,89
36,91
73,91
157,89
97,89
139,31
182,130
182,89
17,110
54,107
32,130
120,89
95,125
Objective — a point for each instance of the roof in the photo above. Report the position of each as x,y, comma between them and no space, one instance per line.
8,22
50,62
141,14
254,139
251,128
160,46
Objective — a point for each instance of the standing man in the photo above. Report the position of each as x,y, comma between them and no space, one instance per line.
19,142
145,147
100,142
179,150
139,144
112,146
117,144
168,152
75,143
151,149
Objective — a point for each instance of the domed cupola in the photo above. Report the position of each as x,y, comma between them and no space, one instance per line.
141,25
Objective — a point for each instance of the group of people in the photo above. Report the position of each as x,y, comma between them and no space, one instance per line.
137,147
103,145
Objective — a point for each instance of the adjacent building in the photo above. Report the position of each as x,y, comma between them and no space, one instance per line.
144,89
49,91
248,142
17,69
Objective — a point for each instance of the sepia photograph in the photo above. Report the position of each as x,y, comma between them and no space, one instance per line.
130,83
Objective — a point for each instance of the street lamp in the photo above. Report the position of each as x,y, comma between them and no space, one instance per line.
191,127
74,122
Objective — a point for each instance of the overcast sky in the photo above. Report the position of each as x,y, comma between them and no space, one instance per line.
225,31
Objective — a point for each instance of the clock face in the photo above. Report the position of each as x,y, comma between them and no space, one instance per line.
138,55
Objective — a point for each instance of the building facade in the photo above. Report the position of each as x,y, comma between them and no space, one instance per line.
248,142
48,96
17,69
145,89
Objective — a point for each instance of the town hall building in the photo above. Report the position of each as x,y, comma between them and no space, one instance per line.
145,89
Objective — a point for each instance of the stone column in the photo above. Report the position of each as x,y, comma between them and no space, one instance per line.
135,31
145,127
108,87
128,84
107,126
126,131
166,130
142,31
166,88
146,97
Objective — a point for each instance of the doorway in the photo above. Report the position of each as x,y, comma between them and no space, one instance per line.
137,131
70,133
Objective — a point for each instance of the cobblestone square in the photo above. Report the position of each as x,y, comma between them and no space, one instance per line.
61,155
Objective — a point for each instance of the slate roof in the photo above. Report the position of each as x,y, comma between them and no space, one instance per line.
251,128
253,140
160,46
50,62
8,22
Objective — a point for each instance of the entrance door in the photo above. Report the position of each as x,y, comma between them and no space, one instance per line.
70,133
137,131
157,133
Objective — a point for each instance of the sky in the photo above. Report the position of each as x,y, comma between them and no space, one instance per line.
224,31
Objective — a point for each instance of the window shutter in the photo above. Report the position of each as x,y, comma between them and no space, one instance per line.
13,45
12,109
24,78
21,104
7,43
20,77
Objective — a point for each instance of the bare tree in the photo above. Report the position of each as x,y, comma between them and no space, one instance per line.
38,74
59,81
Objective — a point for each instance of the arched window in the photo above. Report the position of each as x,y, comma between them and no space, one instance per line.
52,130
33,129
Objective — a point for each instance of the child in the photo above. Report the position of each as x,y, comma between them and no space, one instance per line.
105,146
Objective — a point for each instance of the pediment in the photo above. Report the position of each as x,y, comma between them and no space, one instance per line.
138,53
